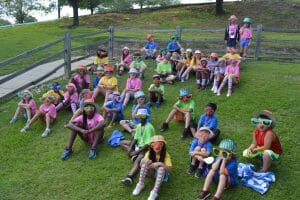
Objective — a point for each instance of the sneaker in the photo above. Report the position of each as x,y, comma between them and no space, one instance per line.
138,188
127,181
215,90
184,134
46,132
66,154
153,195
218,93
24,130
191,169
203,195
198,173
92,154
215,198
13,120
182,80
228,94
164,127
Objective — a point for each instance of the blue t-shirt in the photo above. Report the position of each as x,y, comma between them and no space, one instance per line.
147,106
151,45
232,168
173,46
95,82
117,105
196,143
208,121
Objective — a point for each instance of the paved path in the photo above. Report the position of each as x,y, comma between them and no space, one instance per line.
34,74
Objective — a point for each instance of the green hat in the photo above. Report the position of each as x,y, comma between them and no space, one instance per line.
184,92
247,20
229,145
139,94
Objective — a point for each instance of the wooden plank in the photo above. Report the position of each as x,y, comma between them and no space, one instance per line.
88,34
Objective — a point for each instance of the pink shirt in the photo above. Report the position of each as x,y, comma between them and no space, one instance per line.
246,33
78,78
127,60
48,109
91,123
134,83
73,98
232,29
232,70
31,104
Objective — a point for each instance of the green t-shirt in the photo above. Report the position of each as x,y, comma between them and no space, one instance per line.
160,87
190,104
163,67
144,134
137,65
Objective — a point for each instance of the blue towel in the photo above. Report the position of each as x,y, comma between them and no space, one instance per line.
115,138
258,181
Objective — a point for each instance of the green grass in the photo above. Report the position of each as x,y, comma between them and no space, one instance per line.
31,167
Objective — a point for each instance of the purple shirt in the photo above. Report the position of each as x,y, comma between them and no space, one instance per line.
134,84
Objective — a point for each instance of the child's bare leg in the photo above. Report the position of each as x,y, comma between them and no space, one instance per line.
125,144
187,119
125,126
171,115
71,140
37,115
113,119
136,165
48,120
17,112
28,114
99,134
266,161
126,99
208,180
221,185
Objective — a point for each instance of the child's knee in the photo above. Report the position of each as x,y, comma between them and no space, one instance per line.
197,149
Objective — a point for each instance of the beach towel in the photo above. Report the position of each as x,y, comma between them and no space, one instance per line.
115,138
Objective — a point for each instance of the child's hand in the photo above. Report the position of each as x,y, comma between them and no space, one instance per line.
83,131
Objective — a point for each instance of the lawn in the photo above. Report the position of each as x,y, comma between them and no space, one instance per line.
30,166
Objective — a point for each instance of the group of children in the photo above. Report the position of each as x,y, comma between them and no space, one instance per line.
147,150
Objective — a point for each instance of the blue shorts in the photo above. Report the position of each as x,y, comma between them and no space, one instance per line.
231,42
244,43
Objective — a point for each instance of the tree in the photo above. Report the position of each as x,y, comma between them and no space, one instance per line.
90,4
219,7
149,3
116,5
75,4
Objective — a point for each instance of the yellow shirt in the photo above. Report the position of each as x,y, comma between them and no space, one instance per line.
232,56
109,81
103,61
167,161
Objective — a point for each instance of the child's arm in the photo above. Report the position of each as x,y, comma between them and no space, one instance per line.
99,126
267,142
75,127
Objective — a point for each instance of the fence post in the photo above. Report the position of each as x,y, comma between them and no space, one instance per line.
111,42
67,57
178,33
258,41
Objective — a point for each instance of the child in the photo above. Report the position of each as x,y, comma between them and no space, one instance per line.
151,47
70,98
183,110
224,170
219,74
89,126
47,113
138,63
101,58
193,65
246,37
212,63
266,144
200,148
232,34
139,103
232,55
173,45
232,75
156,91
81,79
84,95
164,69
209,120
56,92
139,145
99,75
107,84
26,106
182,66
113,109
126,60
202,74
133,84
162,54
175,59
156,163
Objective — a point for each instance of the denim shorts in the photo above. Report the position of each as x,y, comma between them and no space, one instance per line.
244,43
231,42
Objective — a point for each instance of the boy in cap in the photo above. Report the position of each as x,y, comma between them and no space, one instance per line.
156,91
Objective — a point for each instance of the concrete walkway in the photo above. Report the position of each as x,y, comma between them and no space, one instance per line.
34,74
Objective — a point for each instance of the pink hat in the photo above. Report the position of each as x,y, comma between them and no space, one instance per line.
232,17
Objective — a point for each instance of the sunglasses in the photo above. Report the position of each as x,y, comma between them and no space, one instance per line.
186,96
48,98
135,57
141,116
26,95
88,107
221,152
265,122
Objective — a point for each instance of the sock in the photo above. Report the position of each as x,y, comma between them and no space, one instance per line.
229,84
59,106
143,173
74,107
198,81
159,178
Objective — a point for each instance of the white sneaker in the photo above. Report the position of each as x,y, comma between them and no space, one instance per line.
46,132
218,93
13,120
23,130
182,80
153,195
215,90
228,94
138,188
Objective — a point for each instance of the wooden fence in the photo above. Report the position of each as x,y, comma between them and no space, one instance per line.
207,40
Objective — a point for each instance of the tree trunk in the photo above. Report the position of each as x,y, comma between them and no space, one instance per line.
219,7
58,9
92,11
74,4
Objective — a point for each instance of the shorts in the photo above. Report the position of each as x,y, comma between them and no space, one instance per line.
180,117
130,123
229,183
244,43
259,154
154,98
231,43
